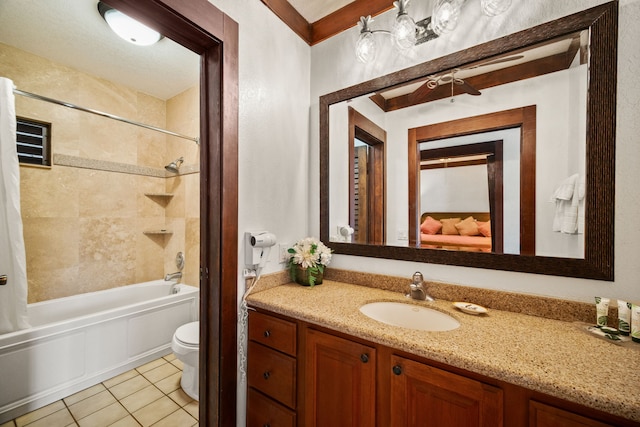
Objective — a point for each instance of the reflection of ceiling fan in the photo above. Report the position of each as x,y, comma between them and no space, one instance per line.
421,94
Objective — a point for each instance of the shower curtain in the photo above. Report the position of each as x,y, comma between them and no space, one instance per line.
13,264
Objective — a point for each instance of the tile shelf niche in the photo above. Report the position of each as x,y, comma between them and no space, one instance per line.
161,231
165,195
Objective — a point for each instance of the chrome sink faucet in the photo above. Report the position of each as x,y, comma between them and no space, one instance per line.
417,290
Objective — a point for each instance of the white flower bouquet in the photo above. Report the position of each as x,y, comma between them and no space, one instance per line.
307,260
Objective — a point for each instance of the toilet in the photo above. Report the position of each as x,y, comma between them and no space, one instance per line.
186,347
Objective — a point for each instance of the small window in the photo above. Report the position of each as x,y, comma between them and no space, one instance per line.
34,142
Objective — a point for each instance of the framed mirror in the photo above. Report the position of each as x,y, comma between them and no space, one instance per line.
500,156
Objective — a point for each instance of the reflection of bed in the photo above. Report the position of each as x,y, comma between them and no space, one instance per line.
470,239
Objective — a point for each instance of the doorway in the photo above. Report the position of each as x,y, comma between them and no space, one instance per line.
201,27
367,143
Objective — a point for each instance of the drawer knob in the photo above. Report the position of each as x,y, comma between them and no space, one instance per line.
267,334
266,425
266,375
364,357
397,370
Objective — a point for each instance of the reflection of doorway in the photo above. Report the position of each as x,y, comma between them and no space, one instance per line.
366,179
523,118
487,154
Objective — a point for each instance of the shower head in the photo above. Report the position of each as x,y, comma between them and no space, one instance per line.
175,165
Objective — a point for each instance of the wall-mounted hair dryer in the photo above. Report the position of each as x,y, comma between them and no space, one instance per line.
257,246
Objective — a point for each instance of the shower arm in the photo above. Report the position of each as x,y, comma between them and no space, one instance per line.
102,114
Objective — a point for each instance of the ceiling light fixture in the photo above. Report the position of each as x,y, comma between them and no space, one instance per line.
128,28
407,33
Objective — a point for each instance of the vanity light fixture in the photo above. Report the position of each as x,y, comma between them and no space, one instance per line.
407,33
128,28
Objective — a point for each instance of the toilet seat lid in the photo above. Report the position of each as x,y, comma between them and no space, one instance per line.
189,333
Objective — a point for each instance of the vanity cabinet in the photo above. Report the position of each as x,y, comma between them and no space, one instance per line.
423,395
305,375
340,381
543,415
271,371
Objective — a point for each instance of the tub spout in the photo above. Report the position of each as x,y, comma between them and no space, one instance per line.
173,276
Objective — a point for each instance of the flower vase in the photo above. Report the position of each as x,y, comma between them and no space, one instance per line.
303,276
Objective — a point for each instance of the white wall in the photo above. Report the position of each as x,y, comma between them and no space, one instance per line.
333,66
280,77
273,175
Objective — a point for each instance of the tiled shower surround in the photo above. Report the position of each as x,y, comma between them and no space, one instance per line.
85,216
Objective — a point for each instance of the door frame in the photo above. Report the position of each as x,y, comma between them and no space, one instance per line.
201,27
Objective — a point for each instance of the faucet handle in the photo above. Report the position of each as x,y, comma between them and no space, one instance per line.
417,278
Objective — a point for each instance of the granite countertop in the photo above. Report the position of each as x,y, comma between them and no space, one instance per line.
550,356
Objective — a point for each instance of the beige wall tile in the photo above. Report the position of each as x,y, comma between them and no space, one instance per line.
51,243
150,206
83,228
192,195
176,206
174,243
192,252
107,251
49,192
46,284
149,251
107,194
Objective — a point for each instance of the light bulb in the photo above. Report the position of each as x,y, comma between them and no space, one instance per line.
404,32
445,16
366,47
130,29
494,7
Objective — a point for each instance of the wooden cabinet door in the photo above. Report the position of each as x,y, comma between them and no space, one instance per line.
541,415
340,384
425,396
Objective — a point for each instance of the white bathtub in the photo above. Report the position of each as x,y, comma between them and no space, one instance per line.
78,341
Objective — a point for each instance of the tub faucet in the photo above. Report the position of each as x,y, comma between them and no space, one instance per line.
417,290
176,275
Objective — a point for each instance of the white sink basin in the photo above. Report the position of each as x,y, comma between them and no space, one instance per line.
409,316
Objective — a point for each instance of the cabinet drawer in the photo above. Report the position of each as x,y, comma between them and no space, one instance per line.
262,411
273,332
272,373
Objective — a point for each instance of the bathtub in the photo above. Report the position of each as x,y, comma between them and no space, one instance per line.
78,341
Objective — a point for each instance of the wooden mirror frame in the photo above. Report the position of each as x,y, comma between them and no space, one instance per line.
602,21
201,27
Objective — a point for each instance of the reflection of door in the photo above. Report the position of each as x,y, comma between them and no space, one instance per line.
366,179
523,118
486,153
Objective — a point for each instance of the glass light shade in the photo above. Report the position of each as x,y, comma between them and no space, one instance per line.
404,32
445,16
366,48
130,29
494,7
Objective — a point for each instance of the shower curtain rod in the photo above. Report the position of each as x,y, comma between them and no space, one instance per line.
100,113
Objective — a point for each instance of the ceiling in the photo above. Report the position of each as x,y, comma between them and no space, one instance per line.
72,33
314,10
318,20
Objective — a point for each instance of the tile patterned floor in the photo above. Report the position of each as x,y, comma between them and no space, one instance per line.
149,395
